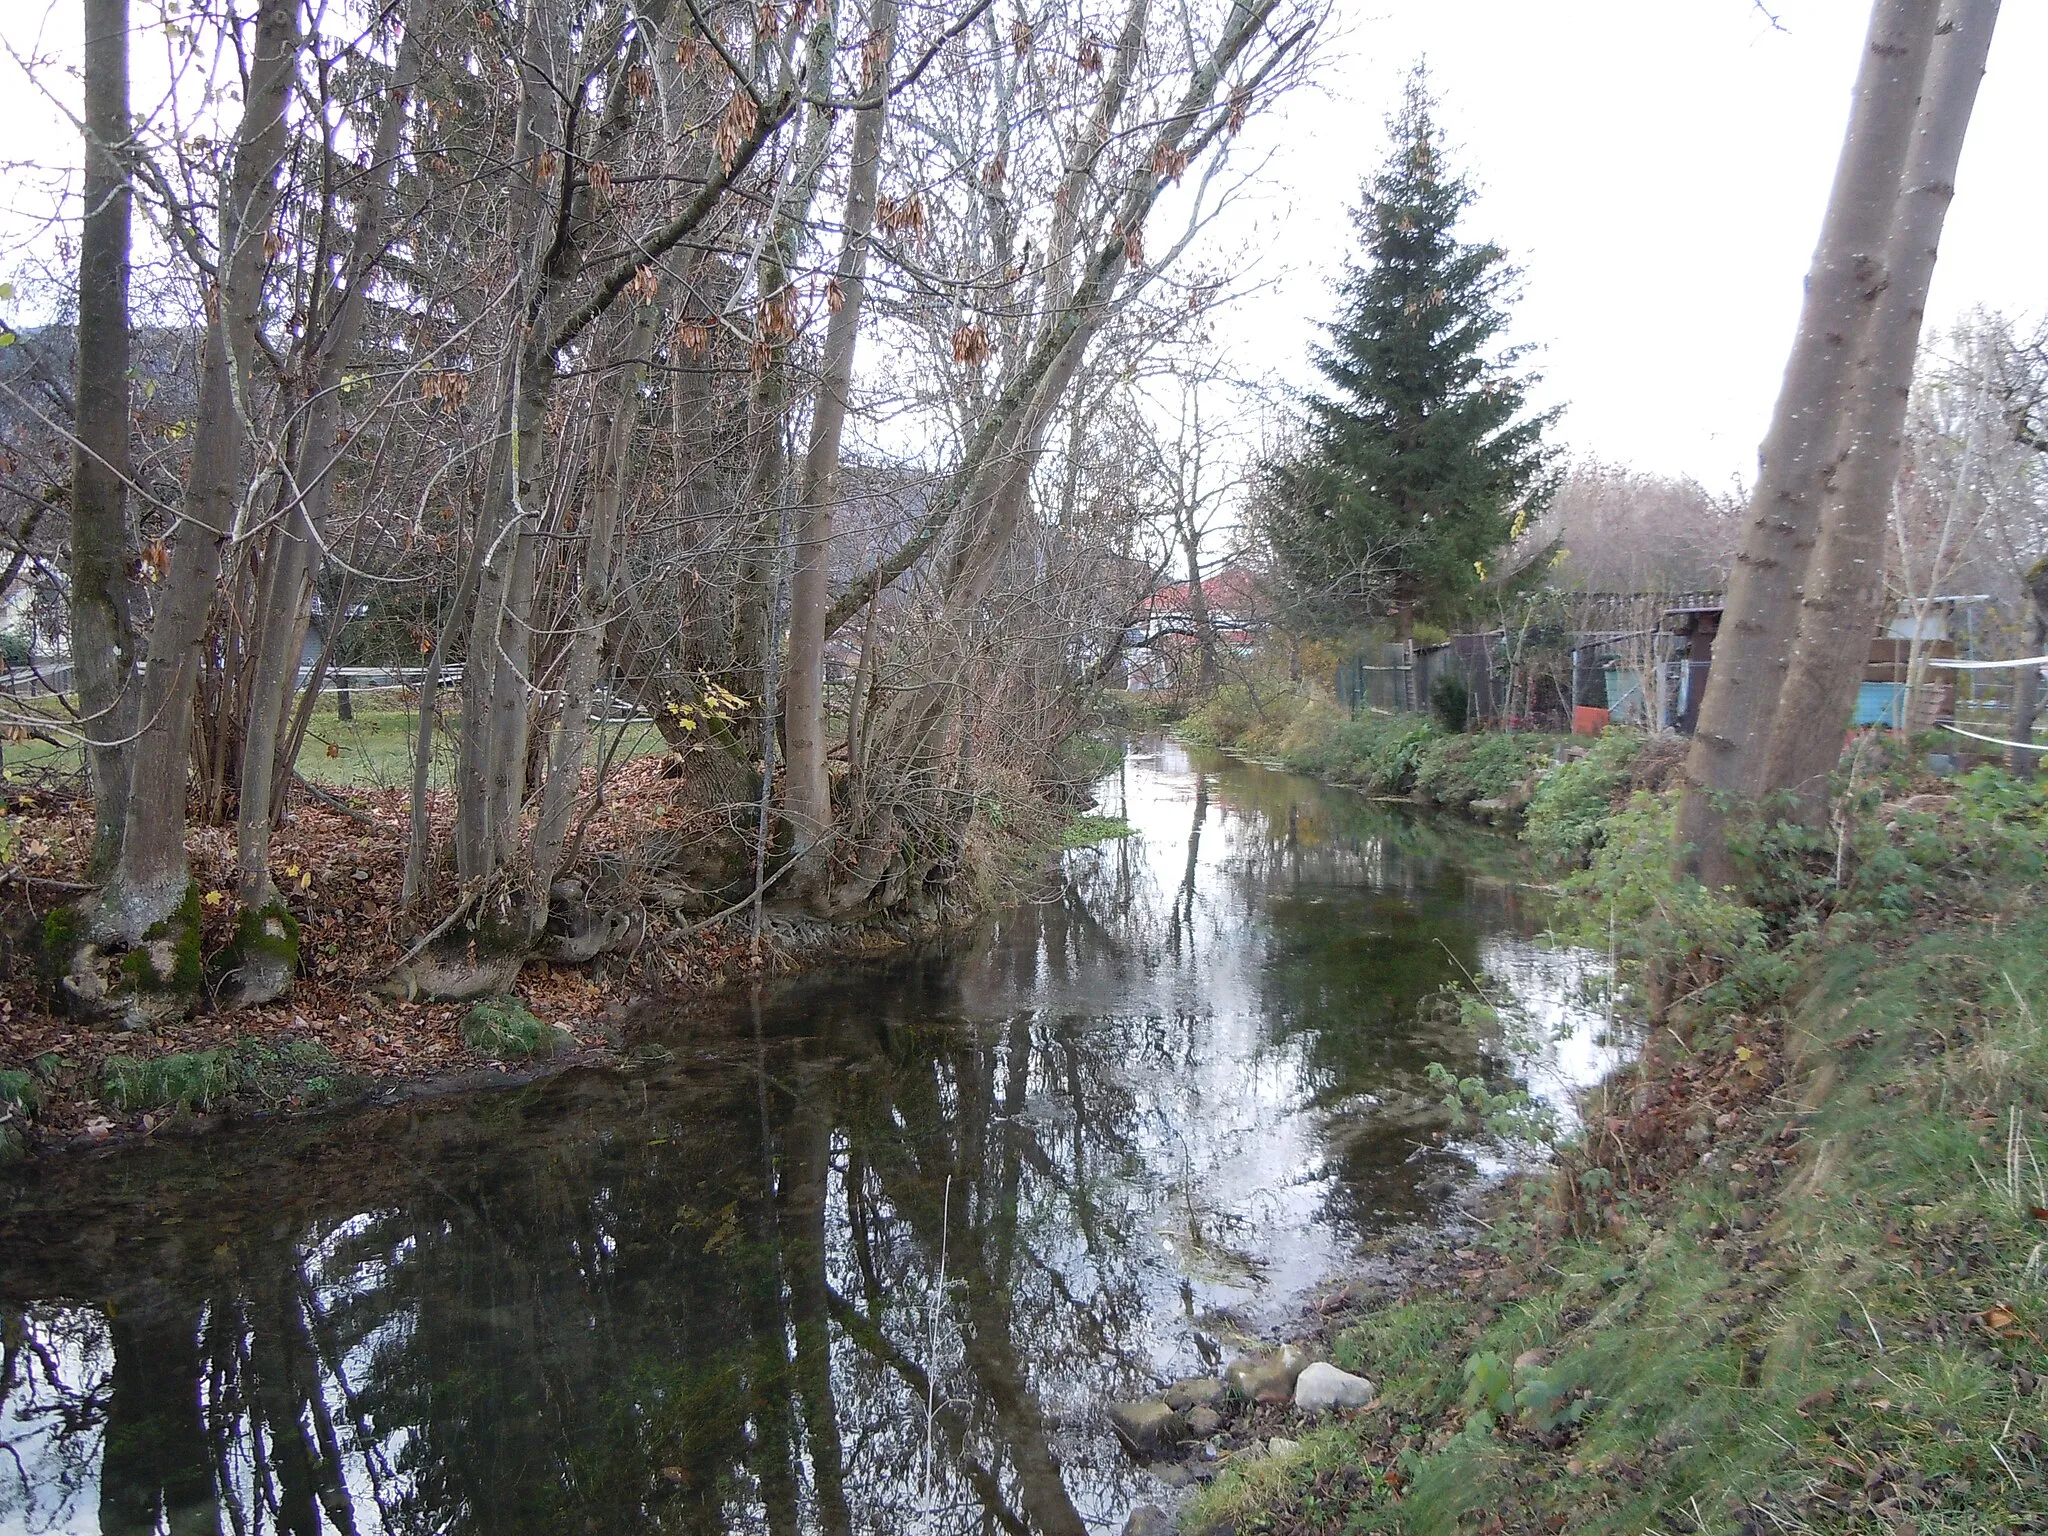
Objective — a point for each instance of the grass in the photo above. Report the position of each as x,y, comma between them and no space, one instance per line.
374,750
1382,754
255,1073
1810,1289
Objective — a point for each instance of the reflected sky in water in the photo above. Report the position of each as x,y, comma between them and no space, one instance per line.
867,1252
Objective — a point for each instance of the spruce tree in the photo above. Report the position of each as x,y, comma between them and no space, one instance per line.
1420,456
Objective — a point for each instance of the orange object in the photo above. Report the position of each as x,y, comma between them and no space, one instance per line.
1590,720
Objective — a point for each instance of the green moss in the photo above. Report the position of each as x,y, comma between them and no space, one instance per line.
503,1027
63,930
264,937
182,930
268,931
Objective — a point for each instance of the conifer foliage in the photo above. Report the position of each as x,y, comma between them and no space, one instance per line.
1420,455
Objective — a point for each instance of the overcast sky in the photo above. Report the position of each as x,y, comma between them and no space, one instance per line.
1659,169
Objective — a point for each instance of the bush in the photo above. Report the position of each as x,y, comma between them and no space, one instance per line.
1568,812
1236,717
1671,937
1453,771
1451,702
15,648
503,1027
1368,751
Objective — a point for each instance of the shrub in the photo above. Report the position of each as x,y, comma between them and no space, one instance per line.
1368,751
1671,936
503,1027
1453,771
1236,717
1451,702
15,648
1568,812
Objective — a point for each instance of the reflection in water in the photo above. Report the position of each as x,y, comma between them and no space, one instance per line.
868,1255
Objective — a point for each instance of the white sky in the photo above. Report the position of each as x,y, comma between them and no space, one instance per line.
1659,169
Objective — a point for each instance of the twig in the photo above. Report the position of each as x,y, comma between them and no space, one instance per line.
435,932
334,802
69,887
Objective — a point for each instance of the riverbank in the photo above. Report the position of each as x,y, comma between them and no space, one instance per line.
339,1039
1791,1274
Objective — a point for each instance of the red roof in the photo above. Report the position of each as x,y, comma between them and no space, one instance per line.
1230,591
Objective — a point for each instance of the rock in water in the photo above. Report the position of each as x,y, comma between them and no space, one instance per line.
1146,1428
1321,1387
1194,1392
1149,1520
1269,1378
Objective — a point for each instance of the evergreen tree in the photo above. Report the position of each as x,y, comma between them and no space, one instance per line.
1420,458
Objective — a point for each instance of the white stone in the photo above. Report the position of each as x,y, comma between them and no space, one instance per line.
1322,1387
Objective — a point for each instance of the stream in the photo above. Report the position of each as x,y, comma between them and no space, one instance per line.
867,1252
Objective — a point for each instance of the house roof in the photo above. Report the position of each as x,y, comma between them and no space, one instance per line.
1231,590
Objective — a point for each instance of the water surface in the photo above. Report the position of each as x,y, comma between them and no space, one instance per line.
869,1253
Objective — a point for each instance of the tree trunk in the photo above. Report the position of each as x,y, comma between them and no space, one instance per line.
310,490
591,611
1198,608
102,544
757,636
491,750
1724,769
2026,696
807,793
1844,590
150,879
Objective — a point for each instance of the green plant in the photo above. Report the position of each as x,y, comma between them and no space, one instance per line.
187,1080
1087,831
1453,771
19,1092
505,1028
1450,701
1510,1114
1237,716
1669,935
1568,813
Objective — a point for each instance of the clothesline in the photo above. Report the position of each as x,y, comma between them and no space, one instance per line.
1996,741
1987,666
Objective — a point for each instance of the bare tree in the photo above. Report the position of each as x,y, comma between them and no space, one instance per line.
103,648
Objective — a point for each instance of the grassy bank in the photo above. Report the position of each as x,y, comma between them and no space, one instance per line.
1793,1276
1411,755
